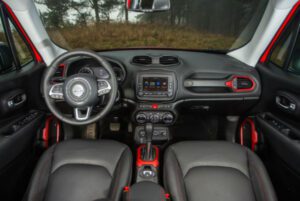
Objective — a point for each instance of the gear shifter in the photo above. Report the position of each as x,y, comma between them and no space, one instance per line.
149,133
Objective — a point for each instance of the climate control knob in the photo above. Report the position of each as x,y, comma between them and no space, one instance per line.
141,118
168,118
154,118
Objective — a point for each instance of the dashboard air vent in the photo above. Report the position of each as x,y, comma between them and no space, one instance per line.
142,60
168,60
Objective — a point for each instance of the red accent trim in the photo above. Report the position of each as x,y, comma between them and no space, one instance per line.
266,54
140,162
126,189
254,135
58,126
63,66
37,56
230,85
46,131
242,133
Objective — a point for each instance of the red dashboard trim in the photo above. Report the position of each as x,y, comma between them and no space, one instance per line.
230,85
46,131
254,135
266,54
58,128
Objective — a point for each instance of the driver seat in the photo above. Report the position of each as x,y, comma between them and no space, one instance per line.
81,170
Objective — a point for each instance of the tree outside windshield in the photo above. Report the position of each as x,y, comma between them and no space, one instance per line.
190,24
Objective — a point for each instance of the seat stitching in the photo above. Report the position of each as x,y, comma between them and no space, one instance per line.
50,170
260,183
250,175
70,164
118,171
177,175
215,166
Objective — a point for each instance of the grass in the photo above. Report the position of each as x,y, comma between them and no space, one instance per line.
122,35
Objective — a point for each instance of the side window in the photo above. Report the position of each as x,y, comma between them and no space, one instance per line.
286,53
294,65
280,52
14,52
6,57
23,52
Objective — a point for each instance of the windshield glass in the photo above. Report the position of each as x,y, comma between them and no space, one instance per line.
215,25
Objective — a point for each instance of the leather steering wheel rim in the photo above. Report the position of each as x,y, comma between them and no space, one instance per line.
53,68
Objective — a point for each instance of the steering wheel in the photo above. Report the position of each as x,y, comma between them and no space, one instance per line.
80,91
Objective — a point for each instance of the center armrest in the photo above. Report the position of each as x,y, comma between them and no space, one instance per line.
145,191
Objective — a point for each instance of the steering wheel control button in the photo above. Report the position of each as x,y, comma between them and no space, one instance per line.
103,87
56,91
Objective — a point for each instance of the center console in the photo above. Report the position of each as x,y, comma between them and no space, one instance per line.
157,87
154,112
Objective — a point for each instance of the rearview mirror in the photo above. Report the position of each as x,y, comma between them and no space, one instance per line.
148,5
6,58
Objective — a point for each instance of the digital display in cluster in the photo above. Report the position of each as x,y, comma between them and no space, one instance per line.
155,84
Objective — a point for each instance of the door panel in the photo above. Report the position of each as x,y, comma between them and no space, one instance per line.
279,111
280,126
19,127
21,109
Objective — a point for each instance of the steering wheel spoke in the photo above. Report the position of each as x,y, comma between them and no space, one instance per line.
83,114
56,91
104,87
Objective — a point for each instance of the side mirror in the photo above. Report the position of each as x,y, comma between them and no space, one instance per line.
148,5
6,57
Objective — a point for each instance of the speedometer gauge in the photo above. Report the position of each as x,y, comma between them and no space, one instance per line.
86,70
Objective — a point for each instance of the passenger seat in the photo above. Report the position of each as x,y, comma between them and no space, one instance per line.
215,171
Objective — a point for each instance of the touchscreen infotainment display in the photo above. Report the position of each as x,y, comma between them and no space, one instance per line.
155,84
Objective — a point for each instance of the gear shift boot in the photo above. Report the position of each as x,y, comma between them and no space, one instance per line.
149,133
145,156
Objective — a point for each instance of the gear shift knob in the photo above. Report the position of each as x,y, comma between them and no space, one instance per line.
149,132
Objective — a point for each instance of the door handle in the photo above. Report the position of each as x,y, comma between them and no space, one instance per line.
17,100
285,103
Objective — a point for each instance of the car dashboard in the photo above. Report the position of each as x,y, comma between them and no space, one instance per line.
160,83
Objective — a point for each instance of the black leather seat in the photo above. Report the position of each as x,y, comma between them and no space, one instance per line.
79,170
215,171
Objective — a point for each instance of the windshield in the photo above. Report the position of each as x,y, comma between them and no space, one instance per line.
214,25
